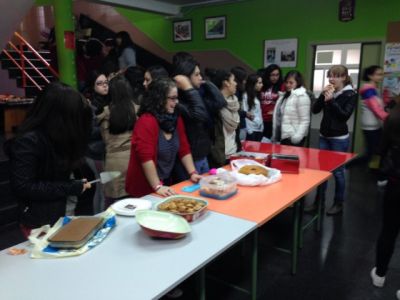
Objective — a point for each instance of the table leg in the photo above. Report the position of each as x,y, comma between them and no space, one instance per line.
296,217
320,203
254,269
254,265
201,283
301,229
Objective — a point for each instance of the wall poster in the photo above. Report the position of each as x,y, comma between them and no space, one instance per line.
391,66
280,52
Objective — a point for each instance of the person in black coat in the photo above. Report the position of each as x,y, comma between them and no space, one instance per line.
195,102
50,144
390,167
337,101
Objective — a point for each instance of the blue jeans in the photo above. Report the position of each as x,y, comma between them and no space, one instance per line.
341,145
202,166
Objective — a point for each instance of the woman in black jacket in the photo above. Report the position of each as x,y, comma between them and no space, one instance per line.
194,108
50,144
337,101
391,206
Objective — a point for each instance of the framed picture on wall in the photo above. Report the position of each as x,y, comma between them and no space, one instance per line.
215,27
182,30
280,52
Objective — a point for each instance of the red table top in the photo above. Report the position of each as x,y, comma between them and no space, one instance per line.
310,158
261,203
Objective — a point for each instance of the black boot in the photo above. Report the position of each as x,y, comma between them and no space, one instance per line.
336,208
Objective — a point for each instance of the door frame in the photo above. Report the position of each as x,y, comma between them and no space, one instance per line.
310,59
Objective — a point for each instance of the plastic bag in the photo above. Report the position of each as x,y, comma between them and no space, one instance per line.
274,175
41,248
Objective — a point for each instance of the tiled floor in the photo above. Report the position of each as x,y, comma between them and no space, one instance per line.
333,264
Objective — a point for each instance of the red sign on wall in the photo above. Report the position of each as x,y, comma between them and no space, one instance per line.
69,40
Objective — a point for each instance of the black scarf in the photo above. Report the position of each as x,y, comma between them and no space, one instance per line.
167,121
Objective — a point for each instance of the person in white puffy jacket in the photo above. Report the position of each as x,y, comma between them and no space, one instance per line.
251,105
291,118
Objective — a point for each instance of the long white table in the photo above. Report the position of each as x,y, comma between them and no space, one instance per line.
127,265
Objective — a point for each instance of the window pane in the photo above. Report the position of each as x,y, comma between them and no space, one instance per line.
324,57
353,57
354,77
337,57
318,83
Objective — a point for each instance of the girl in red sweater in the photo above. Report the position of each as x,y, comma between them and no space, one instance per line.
272,85
158,139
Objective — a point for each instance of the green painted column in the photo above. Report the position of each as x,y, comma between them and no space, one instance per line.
64,28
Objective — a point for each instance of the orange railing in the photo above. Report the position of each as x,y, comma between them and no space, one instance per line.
23,59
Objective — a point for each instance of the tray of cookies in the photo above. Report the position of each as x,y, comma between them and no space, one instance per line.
190,208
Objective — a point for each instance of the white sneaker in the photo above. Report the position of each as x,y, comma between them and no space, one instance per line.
377,281
398,294
381,183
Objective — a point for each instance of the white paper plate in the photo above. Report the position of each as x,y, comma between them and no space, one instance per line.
129,206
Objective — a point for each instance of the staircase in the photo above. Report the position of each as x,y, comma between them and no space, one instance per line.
31,89
144,57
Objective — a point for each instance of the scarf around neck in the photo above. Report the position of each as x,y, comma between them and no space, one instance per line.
167,121
230,115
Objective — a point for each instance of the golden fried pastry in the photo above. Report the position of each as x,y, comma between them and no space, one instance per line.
251,169
182,206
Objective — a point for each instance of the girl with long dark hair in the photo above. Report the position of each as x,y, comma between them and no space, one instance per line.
272,85
373,113
158,139
251,105
125,50
226,128
135,77
291,118
97,93
49,145
193,109
240,78
117,122
153,73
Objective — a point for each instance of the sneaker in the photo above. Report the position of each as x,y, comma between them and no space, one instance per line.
381,183
377,281
398,294
335,209
175,293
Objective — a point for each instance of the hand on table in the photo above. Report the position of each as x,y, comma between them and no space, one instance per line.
195,177
165,191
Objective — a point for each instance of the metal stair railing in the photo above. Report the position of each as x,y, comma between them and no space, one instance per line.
24,59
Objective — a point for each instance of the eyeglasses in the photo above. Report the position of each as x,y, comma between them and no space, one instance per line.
173,98
100,83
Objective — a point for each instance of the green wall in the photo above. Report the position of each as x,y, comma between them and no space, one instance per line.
250,22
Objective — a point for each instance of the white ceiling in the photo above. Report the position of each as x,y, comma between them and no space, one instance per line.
167,7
